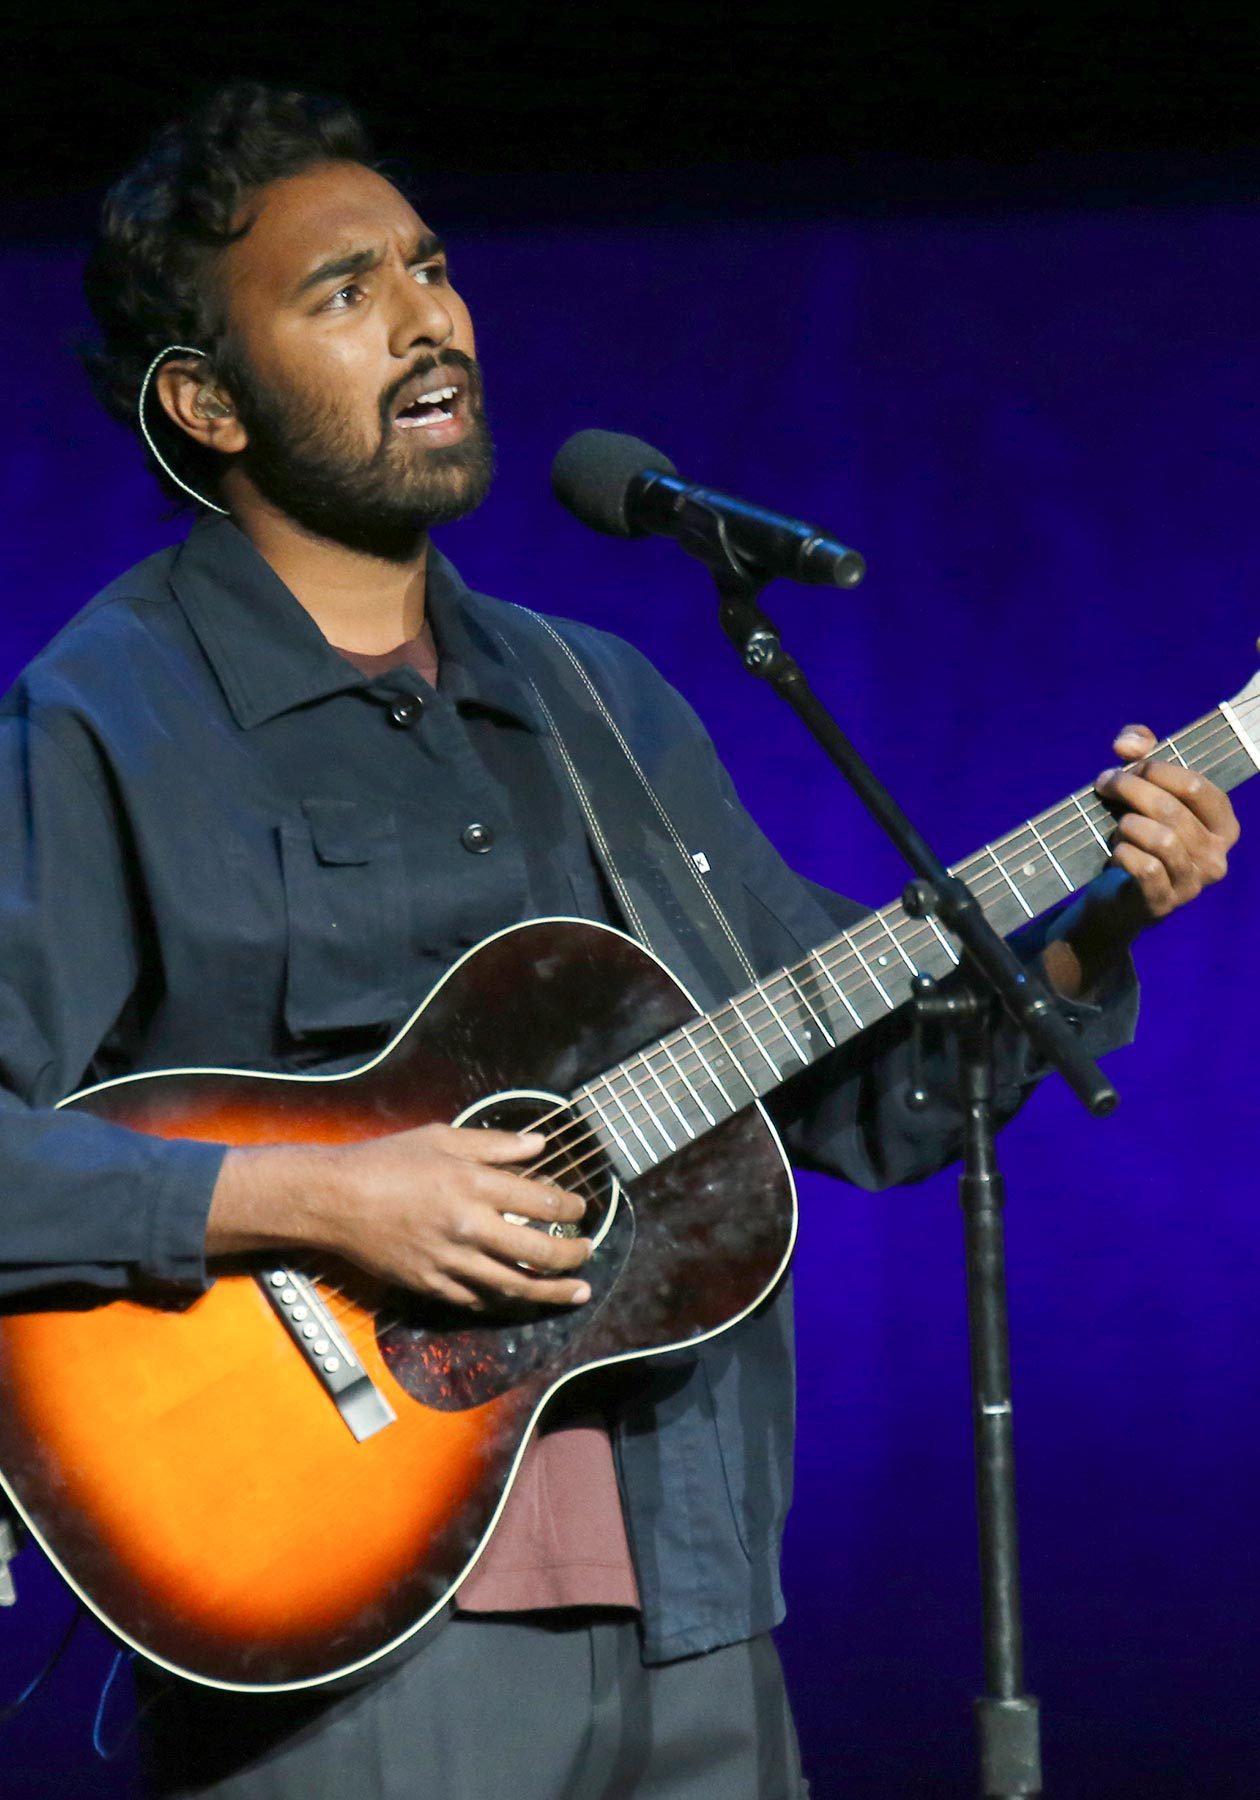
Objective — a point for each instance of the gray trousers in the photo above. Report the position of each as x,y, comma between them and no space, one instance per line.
531,1710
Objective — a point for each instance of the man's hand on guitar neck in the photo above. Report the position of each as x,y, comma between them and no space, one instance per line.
1174,835
424,1208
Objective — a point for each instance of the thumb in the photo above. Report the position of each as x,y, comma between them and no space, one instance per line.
1135,741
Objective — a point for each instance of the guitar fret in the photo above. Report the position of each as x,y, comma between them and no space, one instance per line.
784,1028
1051,858
724,1048
687,1082
627,1069
813,1014
946,946
1203,739
709,1070
1076,801
820,959
1002,870
1214,743
611,1129
668,1098
896,942
630,1119
758,1045
871,976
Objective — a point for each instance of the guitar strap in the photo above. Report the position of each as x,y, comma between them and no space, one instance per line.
660,887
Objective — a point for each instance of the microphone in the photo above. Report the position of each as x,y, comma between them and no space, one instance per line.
623,486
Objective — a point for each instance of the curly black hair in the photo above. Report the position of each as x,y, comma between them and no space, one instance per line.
149,279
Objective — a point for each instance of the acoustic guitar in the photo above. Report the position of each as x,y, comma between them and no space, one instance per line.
283,1481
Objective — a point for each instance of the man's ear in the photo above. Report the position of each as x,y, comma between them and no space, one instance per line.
194,402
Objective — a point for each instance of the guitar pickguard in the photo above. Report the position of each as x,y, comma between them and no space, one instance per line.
443,1361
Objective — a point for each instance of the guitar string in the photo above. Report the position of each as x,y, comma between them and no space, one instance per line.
567,1166
562,1161
372,1323
632,1103
759,1005
570,1166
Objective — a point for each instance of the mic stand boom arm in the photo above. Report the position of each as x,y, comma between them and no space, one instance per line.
1007,1719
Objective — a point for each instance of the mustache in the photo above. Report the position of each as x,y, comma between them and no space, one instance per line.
429,365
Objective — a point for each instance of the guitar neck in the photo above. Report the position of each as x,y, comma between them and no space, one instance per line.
687,1082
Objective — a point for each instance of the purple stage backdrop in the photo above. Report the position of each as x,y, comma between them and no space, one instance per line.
1042,432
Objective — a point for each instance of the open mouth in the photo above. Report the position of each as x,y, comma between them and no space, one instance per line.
435,406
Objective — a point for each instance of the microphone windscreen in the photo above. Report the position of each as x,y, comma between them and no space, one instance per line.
593,473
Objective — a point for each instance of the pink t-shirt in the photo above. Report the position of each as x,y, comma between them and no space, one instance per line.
561,1537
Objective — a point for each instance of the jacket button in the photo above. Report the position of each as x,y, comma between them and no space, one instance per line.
477,838
406,710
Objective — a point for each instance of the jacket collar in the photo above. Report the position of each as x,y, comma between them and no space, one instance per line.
270,656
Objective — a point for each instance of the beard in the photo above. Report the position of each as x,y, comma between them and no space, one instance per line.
303,458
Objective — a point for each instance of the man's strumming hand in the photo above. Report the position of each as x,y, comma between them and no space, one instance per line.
424,1208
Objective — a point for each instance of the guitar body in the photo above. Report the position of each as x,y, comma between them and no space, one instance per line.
188,1473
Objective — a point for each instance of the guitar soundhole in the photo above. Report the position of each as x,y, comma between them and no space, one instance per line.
449,1358
572,1159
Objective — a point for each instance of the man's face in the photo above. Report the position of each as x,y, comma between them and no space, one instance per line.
345,340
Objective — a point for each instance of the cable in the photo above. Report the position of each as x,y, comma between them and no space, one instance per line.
170,350
98,1744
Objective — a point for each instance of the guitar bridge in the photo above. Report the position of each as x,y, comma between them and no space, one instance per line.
297,1303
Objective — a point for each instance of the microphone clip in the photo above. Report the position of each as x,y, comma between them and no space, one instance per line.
702,532
751,630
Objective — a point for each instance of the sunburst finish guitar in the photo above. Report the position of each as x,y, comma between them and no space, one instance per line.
274,1486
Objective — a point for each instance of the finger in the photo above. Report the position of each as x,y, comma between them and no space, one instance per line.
1160,790
1154,798
535,1199
1179,798
1150,875
1210,804
1168,849
523,1244
486,1146
513,1283
454,1293
1135,741
1194,857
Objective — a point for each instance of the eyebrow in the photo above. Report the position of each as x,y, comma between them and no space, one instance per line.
357,262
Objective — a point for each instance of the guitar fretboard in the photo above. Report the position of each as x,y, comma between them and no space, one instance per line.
681,1086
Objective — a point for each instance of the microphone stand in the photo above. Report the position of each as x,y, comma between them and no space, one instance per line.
1007,1718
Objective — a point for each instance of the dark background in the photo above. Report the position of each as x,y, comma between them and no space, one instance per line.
975,286
801,107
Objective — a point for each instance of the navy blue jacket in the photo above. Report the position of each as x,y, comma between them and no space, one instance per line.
221,845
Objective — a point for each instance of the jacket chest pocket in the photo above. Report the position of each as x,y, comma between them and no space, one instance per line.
346,904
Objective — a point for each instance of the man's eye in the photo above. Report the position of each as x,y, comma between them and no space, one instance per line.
346,296
430,274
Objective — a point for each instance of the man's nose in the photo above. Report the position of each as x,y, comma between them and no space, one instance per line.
421,316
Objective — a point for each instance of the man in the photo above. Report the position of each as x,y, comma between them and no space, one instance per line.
295,769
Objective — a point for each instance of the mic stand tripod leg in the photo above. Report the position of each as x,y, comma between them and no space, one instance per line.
1007,1719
